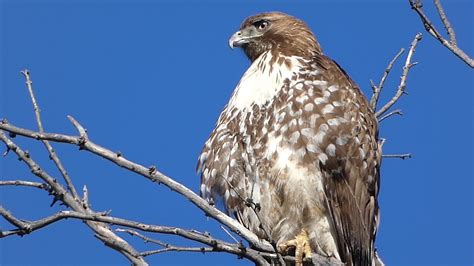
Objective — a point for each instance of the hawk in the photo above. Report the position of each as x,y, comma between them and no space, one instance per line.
295,155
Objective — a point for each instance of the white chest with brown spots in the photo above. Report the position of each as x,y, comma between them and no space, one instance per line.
262,81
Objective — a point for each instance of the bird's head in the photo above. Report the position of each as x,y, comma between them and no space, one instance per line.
277,32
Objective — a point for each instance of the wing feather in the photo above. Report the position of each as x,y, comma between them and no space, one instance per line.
351,178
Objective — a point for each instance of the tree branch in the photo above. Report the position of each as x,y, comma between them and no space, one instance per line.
417,5
216,245
403,79
52,153
446,23
166,247
394,112
60,193
150,173
25,184
25,227
402,156
378,89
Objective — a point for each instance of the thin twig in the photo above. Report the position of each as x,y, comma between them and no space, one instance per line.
51,151
166,246
229,234
178,249
394,112
403,79
378,89
25,184
145,238
401,156
431,29
29,85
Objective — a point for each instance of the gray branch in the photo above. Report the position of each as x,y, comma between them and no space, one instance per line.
150,173
25,184
49,148
166,246
394,112
446,23
60,193
215,245
402,156
378,89
26,227
417,6
403,79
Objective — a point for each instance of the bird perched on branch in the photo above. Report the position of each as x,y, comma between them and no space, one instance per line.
295,155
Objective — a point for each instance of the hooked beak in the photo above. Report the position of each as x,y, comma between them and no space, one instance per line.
237,40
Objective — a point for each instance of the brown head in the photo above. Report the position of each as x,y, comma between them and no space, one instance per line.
277,32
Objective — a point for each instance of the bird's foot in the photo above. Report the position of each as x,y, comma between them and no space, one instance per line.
301,245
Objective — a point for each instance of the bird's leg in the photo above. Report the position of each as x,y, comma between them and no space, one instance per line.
301,245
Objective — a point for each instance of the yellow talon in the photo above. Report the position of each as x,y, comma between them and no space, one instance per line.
302,247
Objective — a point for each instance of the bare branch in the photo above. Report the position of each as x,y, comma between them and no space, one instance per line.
145,238
25,227
446,23
34,167
178,249
154,176
52,153
29,85
166,247
215,244
378,89
229,234
403,79
60,193
431,29
25,184
394,112
401,156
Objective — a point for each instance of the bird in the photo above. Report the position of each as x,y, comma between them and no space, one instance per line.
295,155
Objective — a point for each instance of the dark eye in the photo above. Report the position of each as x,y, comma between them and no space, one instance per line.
261,24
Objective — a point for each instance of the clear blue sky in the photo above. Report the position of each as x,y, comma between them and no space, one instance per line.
149,78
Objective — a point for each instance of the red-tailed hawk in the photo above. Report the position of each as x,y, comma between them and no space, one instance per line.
295,155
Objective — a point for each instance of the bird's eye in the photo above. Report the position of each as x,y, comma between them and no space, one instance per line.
261,24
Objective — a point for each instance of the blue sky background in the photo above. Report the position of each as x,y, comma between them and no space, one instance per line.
149,78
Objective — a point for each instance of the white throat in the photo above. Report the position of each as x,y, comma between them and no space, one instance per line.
262,81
